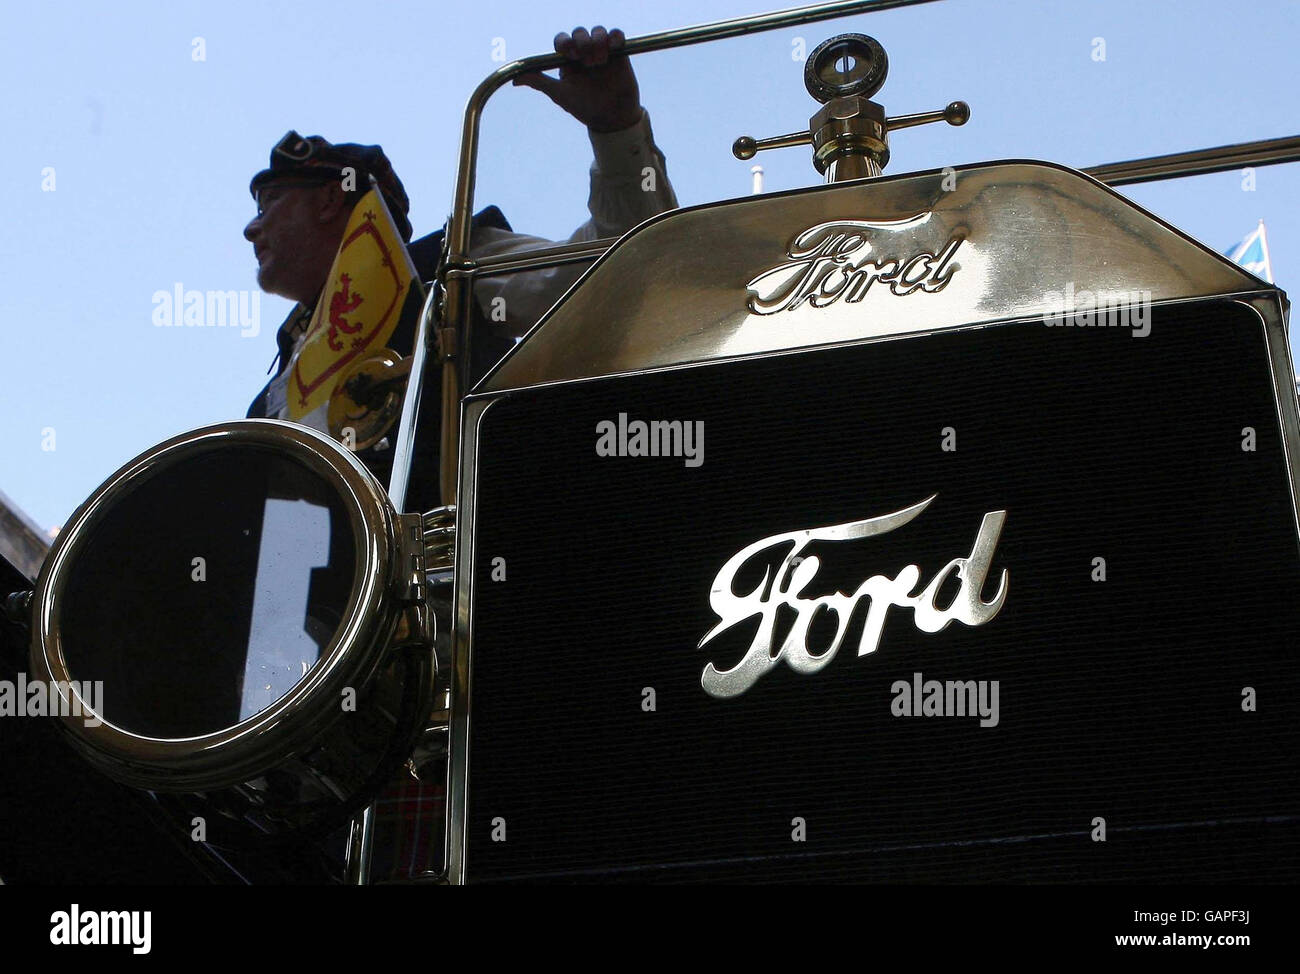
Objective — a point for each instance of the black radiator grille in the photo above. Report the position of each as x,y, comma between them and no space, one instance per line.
1118,699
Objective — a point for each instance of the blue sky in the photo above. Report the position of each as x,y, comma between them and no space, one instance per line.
152,150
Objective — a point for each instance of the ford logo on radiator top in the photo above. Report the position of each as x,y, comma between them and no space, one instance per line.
834,260
794,573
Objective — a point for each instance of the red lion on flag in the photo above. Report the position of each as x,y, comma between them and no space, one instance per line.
342,302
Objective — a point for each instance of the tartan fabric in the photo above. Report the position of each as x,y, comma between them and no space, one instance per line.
408,829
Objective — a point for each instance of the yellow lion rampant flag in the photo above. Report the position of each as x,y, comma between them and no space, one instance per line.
358,310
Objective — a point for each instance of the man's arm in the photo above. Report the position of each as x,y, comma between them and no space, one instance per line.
629,178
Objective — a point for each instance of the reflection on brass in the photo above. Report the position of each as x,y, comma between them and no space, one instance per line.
848,64
368,399
439,527
279,735
850,133
834,260
1027,229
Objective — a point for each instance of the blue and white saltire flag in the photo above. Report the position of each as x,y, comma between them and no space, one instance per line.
1252,254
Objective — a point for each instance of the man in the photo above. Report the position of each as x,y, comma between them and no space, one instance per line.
303,209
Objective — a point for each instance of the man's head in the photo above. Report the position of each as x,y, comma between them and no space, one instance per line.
303,208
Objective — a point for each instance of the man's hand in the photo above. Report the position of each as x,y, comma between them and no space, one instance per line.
597,86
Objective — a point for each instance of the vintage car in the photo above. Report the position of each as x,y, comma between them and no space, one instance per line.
938,526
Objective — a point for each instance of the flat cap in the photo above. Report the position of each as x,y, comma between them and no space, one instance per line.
316,159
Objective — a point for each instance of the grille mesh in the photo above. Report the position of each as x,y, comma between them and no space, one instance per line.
1118,699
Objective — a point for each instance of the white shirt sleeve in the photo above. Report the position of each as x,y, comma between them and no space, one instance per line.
629,184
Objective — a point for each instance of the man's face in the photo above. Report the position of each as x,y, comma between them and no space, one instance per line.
289,240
